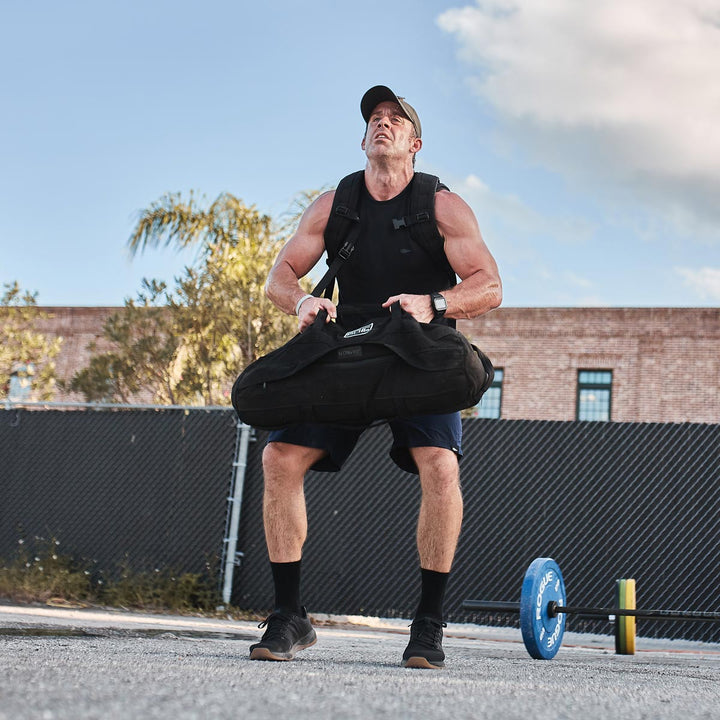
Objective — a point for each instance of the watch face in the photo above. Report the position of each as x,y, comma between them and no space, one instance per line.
439,303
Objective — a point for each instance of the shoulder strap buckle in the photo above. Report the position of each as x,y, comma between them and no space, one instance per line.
346,250
346,212
407,221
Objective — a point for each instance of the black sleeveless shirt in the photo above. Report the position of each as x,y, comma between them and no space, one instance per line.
386,261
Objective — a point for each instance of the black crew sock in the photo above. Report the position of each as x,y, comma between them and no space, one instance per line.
432,595
286,577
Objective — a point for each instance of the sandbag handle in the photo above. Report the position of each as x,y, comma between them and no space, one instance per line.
396,314
396,311
320,318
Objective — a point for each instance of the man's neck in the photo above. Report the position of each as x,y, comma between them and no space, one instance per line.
385,181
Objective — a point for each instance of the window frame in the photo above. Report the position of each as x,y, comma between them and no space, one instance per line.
597,385
496,384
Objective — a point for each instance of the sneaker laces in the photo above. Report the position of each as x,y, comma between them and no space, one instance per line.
427,631
278,626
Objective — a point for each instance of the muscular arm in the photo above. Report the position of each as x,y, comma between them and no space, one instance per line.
479,289
296,259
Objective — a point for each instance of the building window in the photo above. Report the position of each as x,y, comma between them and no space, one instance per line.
594,395
20,386
489,405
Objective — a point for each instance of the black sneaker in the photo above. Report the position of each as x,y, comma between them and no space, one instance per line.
425,647
286,633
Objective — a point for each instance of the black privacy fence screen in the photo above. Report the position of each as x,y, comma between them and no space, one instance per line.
181,488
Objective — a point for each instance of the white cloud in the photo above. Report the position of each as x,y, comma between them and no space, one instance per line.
705,281
513,218
530,247
625,90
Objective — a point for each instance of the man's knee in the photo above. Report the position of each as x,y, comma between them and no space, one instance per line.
283,461
435,460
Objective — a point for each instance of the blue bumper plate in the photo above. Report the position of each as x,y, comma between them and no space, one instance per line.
541,632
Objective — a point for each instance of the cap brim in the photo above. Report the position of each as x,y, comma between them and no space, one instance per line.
373,97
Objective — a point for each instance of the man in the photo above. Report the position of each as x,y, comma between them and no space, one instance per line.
377,272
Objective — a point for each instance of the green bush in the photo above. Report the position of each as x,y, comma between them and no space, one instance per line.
39,572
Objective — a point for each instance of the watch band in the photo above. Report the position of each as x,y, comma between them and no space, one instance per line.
439,304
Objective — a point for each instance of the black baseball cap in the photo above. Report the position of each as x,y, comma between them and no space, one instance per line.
380,93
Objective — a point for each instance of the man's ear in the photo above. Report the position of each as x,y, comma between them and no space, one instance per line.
416,144
362,144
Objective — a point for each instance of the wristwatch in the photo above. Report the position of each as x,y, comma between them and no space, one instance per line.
439,304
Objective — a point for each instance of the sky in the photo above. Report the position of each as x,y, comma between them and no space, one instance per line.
583,135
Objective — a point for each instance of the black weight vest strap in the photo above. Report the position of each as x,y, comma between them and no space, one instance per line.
343,224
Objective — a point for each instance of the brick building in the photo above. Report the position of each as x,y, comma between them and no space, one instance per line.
78,327
621,364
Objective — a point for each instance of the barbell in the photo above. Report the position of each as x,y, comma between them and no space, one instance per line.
543,610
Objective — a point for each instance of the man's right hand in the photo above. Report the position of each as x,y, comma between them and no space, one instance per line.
309,309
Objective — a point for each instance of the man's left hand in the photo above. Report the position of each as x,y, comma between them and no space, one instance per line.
419,306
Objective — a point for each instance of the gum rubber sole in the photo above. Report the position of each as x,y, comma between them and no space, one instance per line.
262,653
417,661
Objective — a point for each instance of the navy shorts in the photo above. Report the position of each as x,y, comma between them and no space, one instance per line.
443,431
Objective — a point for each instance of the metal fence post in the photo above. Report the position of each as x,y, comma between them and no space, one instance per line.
231,556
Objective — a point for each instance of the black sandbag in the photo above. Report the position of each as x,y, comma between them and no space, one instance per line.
389,367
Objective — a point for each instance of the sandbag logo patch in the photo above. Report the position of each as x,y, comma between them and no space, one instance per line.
364,330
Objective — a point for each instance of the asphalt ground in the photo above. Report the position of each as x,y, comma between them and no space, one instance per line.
65,663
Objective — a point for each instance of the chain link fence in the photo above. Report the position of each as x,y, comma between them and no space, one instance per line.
183,488
146,488
606,500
